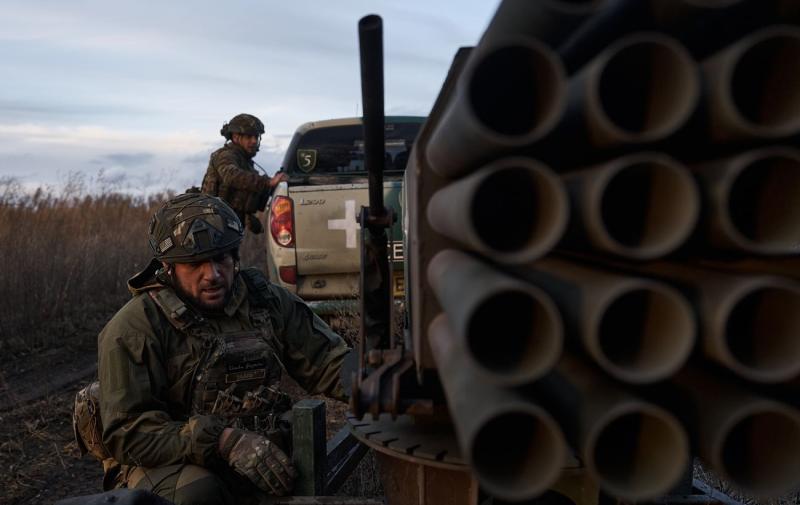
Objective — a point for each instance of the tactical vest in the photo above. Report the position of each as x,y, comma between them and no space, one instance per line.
239,374
243,201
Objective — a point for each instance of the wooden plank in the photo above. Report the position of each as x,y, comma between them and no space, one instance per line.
309,454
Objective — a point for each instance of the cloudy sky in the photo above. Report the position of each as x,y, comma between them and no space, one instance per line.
132,93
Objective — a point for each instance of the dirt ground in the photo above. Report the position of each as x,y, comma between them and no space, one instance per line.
39,459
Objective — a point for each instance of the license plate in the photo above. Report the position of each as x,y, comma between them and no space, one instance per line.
398,284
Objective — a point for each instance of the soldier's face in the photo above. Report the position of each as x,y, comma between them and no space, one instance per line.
249,143
207,283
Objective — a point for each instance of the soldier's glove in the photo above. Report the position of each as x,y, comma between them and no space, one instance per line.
261,461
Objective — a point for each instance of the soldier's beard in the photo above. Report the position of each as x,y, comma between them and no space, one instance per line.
217,303
251,151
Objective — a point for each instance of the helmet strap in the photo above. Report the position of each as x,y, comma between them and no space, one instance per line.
165,275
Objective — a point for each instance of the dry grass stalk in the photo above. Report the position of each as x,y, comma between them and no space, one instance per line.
68,256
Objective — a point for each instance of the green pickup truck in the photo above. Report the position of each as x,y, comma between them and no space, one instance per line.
314,243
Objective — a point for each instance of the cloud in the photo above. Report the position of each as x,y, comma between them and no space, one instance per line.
109,138
22,108
142,89
197,158
127,159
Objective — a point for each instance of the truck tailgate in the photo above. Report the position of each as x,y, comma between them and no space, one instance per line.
327,235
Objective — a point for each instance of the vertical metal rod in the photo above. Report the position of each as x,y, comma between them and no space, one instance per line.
370,34
376,296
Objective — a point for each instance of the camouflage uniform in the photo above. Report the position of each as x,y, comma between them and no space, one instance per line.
232,176
173,378
162,400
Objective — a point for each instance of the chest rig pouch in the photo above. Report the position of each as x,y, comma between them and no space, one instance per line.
239,373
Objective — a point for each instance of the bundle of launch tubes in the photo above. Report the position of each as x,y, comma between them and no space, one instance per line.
608,216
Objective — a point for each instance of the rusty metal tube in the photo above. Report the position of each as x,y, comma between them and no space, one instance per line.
550,21
508,96
510,329
640,206
642,88
635,449
638,330
782,267
516,467
751,94
788,11
669,13
686,20
754,201
751,441
513,210
748,324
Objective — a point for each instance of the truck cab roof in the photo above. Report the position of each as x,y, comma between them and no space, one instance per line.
335,147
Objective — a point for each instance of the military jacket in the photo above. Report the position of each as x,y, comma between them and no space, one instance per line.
149,361
232,176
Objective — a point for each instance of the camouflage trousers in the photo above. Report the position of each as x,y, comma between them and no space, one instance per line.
191,484
186,484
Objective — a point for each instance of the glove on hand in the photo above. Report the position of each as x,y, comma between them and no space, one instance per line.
261,461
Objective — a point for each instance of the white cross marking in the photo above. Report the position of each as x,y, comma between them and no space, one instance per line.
348,224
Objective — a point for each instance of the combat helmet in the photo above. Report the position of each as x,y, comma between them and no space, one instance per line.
246,124
193,227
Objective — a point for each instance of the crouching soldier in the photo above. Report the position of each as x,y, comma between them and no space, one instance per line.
190,368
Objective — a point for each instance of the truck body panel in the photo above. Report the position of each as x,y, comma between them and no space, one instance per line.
327,187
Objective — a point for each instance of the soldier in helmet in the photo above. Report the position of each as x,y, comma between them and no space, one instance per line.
190,367
231,174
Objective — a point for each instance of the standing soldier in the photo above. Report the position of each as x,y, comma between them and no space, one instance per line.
231,173
190,367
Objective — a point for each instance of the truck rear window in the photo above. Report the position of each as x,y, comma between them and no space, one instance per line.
340,149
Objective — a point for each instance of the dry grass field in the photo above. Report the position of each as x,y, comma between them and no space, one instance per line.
67,257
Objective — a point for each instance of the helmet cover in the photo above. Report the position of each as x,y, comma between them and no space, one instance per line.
193,227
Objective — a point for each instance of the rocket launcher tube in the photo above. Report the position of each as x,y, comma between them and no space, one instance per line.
514,446
751,93
642,88
510,329
637,330
748,323
751,441
550,21
635,449
513,210
508,96
754,201
640,206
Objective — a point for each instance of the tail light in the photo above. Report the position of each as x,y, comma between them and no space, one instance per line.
288,274
281,221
